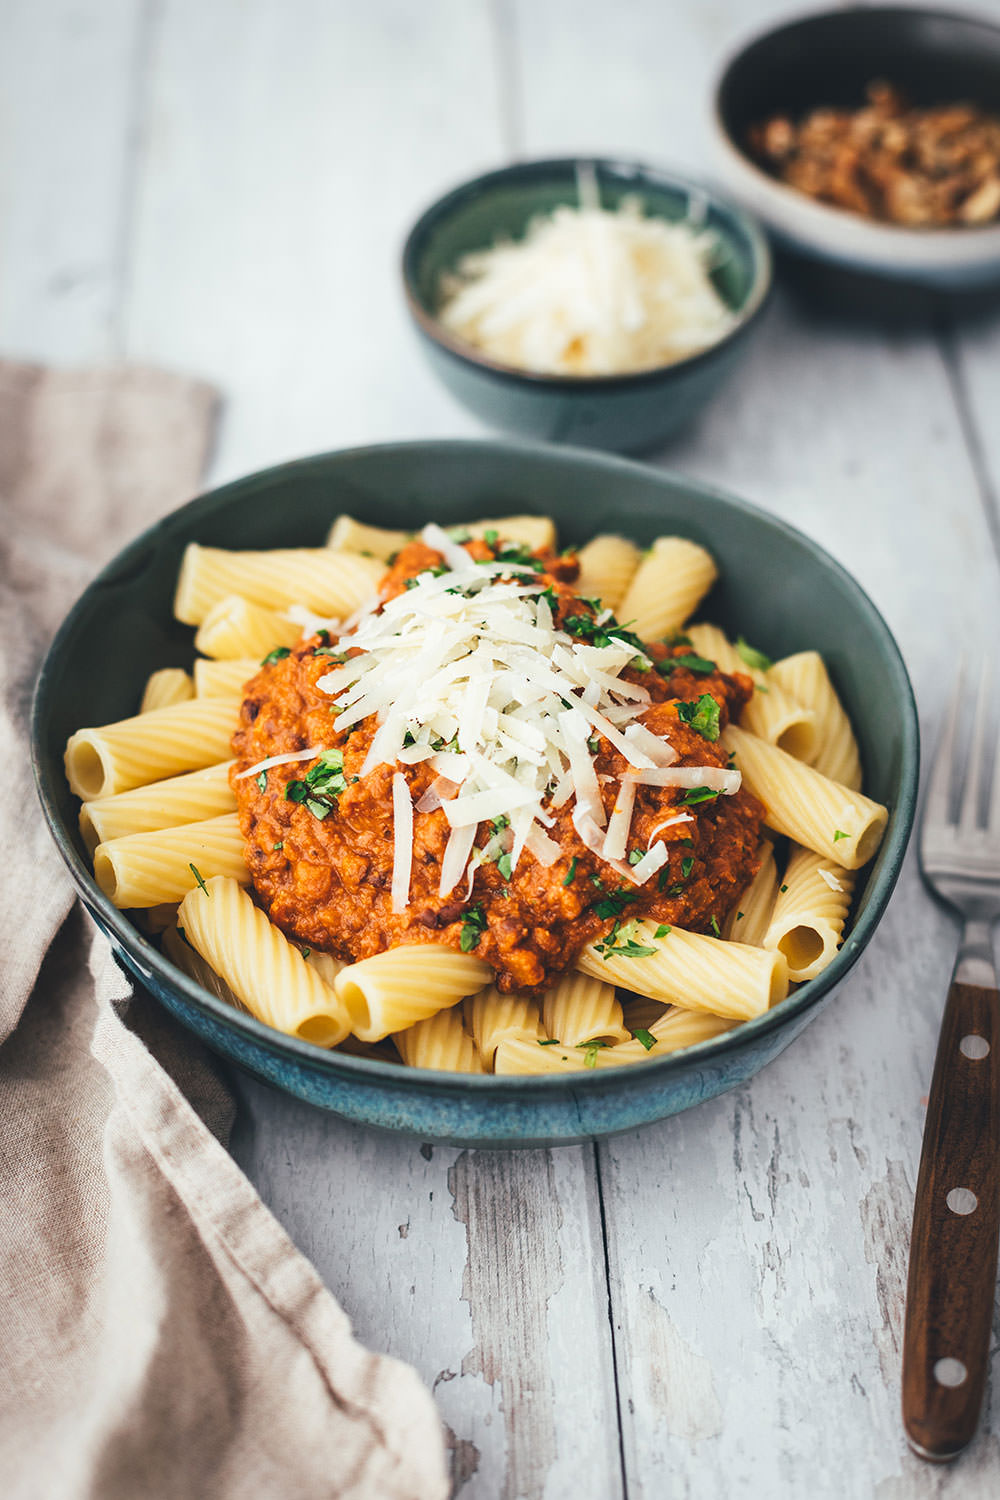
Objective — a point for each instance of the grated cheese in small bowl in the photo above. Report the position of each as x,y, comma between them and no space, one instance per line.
591,291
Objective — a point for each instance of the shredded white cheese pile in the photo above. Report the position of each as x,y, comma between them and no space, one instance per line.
470,673
590,292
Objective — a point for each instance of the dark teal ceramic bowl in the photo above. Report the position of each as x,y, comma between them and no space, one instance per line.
122,628
624,413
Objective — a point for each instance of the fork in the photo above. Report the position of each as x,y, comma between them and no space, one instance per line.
956,1215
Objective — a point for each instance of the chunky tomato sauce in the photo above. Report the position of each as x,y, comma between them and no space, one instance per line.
326,881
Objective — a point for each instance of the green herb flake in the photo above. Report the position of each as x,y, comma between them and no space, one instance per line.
701,715
503,865
279,845
321,786
590,1055
306,952
714,924
570,875
739,916
687,865
753,658
195,872
782,889
662,931
549,1041
594,744
615,903
621,942
278,654
837,835
473,927
262,781
647,1038
699,664
696,794
491,537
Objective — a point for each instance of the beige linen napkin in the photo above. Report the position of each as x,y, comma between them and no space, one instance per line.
160,1336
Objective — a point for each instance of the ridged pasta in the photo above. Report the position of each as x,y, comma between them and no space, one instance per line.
536,532
169,685
667,587
180,952
146,869
440,1042
332,583
133,752
773,714
694,971
675,1030
401,986
260,965
825,816
490,1016
326,966
235,628
581,1008
607,566
807,923
805,678
748,920
224,679
348,535
161,804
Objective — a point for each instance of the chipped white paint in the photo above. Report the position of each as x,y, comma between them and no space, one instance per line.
228,196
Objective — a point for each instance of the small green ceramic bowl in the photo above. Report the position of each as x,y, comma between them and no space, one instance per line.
123,628
624,413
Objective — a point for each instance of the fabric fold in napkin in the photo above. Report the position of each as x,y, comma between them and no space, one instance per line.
160,1336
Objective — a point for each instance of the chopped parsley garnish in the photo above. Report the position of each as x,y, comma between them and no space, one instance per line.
614,904
473,927
491,537
197,876
782,889
696,794
261,781
610,633
500,823
661,885
752,657
662,931
596,880
549,1041
837,835
306,952
678,639
503,865
699,664
279,845
322,785
278,654
739,916
594,744
701,715
687,865
647,1038
714,924
570,875
591,1051
635,855
688,843
621,943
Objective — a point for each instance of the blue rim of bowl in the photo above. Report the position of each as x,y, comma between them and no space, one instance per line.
344,1066
753,305
977,238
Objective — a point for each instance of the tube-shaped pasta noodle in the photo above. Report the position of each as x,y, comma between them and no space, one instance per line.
236,628
224,679
580,1008
161,804
825,816
440,1042
809,915
349,535
696,972
146,869
332,583
180,952
771,713
675,1030
607,567
401,986
668,586
747,922
639,1012
169,685
490,1016
536,532
133,752
259,964
326,966
805,678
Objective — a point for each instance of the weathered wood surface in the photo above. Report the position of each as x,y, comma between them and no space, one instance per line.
712,1306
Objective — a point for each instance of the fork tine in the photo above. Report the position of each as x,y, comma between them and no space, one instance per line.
969,811
936,810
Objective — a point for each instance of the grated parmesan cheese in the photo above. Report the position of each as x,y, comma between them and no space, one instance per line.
590,292
467,656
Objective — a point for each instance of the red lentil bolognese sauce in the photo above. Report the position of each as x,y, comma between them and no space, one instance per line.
487,761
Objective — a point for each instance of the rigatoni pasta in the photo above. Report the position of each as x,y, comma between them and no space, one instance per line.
147,869
331,583
667,587
190,798
168,685
133,752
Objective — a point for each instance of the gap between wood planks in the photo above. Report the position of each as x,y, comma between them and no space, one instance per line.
611,1319
945,334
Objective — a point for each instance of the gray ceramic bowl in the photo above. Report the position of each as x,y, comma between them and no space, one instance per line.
936,57
624,413
122,628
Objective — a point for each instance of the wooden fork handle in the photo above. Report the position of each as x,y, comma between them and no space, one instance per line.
956,1218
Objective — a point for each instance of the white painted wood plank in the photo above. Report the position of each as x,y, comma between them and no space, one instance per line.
289,148
484,1269
758,1245
67,72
